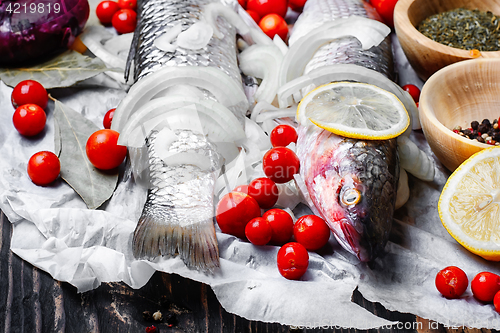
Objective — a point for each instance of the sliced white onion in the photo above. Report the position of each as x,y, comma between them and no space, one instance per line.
92,37
120,43
196,36
251,34
369,32
227,91
280,44
289,195
414,160
164,41
262,61
290,93
181,112
255,133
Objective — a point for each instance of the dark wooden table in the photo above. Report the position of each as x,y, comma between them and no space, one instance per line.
32,301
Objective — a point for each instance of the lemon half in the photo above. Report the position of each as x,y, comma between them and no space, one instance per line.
469,205
354,110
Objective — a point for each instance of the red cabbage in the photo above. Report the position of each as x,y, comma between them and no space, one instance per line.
33,29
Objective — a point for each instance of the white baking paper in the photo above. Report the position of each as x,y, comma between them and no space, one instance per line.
54,231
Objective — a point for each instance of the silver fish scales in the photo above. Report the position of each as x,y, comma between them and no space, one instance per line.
352,183
177,218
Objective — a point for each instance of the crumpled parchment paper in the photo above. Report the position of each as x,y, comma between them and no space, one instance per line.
54,231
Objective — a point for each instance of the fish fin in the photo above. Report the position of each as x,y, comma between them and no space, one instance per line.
196,243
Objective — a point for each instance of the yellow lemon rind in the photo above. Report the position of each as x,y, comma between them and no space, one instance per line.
353,134
464,239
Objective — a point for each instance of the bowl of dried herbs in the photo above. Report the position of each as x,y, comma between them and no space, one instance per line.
436,33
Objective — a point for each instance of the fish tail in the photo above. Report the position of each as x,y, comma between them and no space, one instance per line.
196,243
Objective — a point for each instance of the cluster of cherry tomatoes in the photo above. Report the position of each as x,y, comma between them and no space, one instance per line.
452,282
30,98
239,212
270,15
121,14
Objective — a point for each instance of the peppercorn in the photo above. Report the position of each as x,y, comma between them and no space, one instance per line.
474,125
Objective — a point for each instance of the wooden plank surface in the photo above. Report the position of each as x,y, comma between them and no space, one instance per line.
31,301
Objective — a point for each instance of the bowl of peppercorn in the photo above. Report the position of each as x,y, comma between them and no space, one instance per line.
436,33
459,109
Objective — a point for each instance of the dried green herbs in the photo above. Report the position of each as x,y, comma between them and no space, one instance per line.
464,29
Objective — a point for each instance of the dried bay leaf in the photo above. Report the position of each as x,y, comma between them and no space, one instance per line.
61,71
72,130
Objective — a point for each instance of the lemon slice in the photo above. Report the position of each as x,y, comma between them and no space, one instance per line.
469,205
354,110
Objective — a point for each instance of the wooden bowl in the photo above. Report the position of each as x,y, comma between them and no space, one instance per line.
457,95
425,55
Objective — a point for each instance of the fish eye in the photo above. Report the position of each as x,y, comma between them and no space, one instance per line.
351,197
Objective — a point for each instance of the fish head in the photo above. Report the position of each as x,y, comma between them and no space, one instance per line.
356,198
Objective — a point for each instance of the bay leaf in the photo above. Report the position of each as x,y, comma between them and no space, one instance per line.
61,71
93,185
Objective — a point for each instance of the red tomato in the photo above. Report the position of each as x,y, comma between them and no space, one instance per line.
258,231
127,4
293,260
243,3
108,117
241,188
386,10
264,7
280,164
283,135
296,5
265,191
103,151
485,285
29,92
413,91
29,119
311,231
105,11
254,15
496,302
124,21
281,223
43,168
273,24
451,282
234,211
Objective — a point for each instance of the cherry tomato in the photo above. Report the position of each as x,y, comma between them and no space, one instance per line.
280,164
264,7
485,285
296,5
243,3
29,92
254,15
413,91
258,231
105,11
265,191
311,231
103,151
283,135
386,10
124,21
43,168
234,211
273,24
281,223
108,117
496,302
127,4
451,282
29,119
241,188
292,260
